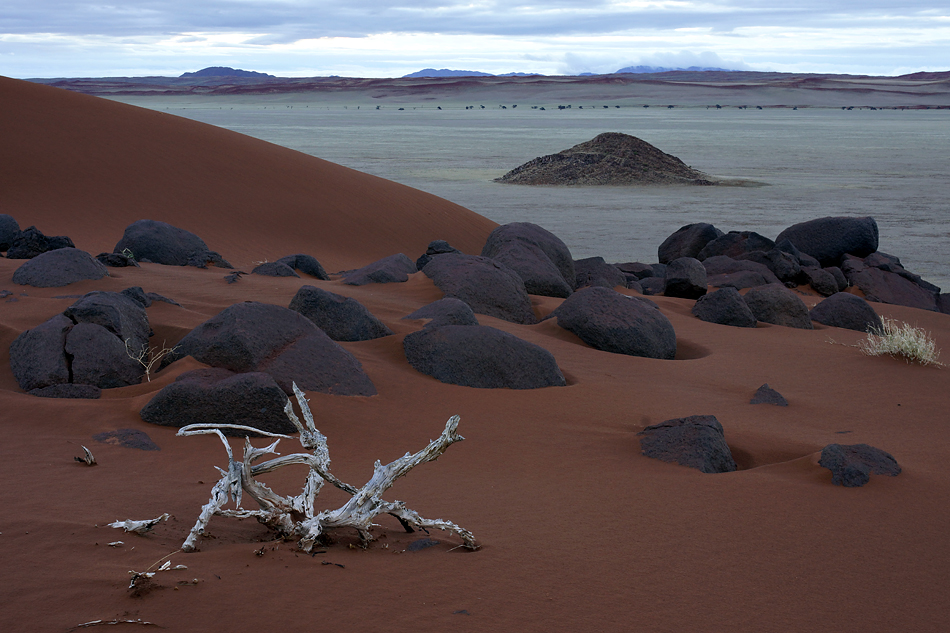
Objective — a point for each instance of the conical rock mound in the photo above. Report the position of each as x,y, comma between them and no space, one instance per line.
611,158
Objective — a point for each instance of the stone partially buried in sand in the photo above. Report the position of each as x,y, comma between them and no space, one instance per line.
767,395
725,307
482,357
161,243
611,158
697,441
851,465
307,264
31,242
61,267
685,278
687,241
393,269
539,244
446,311
612,322
342,318
776,304
846,310
9,228
487,286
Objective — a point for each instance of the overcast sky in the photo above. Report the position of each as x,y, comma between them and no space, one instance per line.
390,38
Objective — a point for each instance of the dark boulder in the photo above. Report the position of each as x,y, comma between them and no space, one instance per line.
218,396
274,269
436,247
659,270
539,274
31,242
637,269
839,277
685,278
697,441
61,267
778,305
342,318
37,356
307,264
138,295
482,357
9,228
784,266
447,311
634,284
531,234
831,238
767,395
725,307
822,281
852,465
161,243
886,281
612,322
846,310
252,336
652,286
594,271
943,303
803,259
687,241
116,260
392,269
121,315
487,286
68,390
735,243
100,358
723,271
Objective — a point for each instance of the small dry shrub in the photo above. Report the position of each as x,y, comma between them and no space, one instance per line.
901,340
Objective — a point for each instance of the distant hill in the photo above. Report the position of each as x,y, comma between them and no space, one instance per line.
224,71
445,72
661,69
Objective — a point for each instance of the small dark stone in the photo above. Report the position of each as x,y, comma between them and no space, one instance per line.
57,268
116,260
447,311
307,264
392,269
687,241
840,279
652,286
829,239
129,438
137,294
803,259
778,305
203,259
31,242
697,441
767,395
342,318
821,280
685,278
436,247
274,269
851,465
421,544
154,296
68,390
846,310
725,307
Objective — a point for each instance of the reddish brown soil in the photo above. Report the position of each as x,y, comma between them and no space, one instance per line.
579,531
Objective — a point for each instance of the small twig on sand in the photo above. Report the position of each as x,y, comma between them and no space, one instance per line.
103,622
139,527
87,457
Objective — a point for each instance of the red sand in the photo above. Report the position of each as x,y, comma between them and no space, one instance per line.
579,531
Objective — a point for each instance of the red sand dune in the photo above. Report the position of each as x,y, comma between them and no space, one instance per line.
579,531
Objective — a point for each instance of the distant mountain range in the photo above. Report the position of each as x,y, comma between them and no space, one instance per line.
445,72
661,69
224,71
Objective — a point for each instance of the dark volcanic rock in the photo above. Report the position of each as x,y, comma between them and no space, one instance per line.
821,280
218,396
612,322
539,274
447,311
637,269
725,307
507,235
687,241
138,295
831,238
306,264
846,310
594,271
252,336
161,243
803,259
100,358
852,465
696,441
61,267
31,242
9,228
686,278
767,395
274,269
482,357
392,269
784,266
886,281
723,271
121,315
839,277
487,286
342,318
37,356
116,260
128,438
735,243
778,305
611,158
436,247
652,285
68,390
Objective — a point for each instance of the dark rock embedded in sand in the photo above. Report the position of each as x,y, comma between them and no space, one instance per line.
161,243
58,268
611,158
68,390
776,304
307,264
128,438
851,465
31,242
697,441
823,282
342,318
9,228
612,322
538,244
487,286
436,247
735,243
482,357
829,239
847,311
687,241
219,396
446,311
252,337
393,269
685,278
767,395
882,278
725,307
274,269
784,266
594,271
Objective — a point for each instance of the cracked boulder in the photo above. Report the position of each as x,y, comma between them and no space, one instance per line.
696,441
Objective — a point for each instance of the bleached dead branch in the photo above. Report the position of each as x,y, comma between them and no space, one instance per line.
294,516
86,458
139,527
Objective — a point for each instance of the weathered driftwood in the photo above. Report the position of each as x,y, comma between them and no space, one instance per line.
295,516
139,527
87,457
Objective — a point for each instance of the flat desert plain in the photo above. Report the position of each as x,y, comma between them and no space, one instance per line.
578,530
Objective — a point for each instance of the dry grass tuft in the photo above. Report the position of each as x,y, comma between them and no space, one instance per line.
901,340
